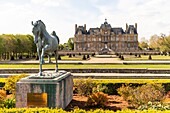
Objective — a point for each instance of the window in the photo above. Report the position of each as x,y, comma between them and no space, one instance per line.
128,45
117,38
117,44
123,44
135,45
88,45
135,39
112,38
100,39
123,38
128,38
99,45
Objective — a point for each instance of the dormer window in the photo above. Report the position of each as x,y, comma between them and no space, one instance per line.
79,32
132,31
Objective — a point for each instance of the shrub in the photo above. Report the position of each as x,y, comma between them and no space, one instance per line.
154,106
84,86
70,55
150,57
93,54
2,96
84,57
11,81
59,57
88,56
98,99
142,94
100,88
122,58
139,56
9,103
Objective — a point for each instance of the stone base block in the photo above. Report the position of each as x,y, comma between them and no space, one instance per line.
55,92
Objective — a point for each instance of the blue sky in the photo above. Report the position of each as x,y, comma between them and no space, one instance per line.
152,16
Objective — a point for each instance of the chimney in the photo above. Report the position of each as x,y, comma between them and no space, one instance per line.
136,26
75,28
126,27
84,27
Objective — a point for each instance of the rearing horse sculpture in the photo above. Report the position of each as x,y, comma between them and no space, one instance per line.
46,43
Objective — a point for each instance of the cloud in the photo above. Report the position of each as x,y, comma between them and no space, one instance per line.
52,3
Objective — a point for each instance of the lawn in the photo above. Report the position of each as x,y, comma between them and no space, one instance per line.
145,57
86,66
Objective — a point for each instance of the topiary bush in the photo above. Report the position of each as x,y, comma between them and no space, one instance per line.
84,86
59,57
139,56
122,58
70,55
150,57
84,57
98,99
143,94
88,56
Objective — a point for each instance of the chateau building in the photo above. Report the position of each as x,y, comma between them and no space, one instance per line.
106,37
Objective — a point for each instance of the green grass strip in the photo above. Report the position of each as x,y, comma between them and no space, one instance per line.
86,66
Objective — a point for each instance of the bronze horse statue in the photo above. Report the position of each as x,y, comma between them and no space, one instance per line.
46,43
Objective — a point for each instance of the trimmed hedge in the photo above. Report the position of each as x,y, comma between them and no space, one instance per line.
114,84
46,110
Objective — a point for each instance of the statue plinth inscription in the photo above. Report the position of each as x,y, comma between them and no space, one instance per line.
37,99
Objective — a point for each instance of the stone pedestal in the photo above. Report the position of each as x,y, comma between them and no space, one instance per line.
54,90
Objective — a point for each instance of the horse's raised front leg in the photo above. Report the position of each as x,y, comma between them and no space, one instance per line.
42,56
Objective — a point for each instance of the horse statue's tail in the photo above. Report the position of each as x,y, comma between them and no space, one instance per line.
54,34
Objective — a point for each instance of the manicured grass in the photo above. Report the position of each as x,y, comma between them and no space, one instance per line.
87,66
145,57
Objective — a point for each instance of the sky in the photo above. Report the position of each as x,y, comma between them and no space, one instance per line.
152,16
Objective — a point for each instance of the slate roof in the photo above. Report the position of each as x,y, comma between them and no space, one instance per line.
132,29
117,30
107,26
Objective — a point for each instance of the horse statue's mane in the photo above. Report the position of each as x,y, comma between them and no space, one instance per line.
42,23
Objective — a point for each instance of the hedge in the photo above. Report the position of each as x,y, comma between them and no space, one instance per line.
113,84
46,110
